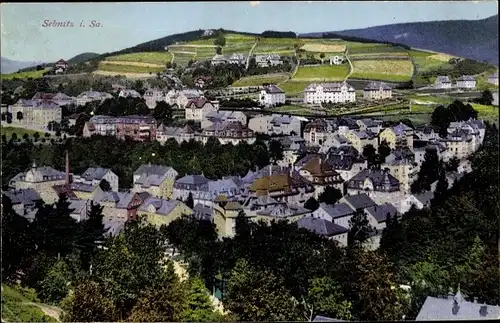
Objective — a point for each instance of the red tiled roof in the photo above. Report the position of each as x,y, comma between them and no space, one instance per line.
65,190
198,102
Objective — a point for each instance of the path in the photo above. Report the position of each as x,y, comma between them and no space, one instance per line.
291,75
351,67
48,310
173,56
250,55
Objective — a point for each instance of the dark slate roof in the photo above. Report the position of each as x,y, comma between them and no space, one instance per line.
359,201
23,196
273,89
338,210
380,212
425,197
466,78
377,176
443,309
152,169
375,86
95,173
193,180
443,79
321,226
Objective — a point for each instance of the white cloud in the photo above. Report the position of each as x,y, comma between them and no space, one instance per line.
254,3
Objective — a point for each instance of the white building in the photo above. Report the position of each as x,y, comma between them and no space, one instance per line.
271,96
275,124
197,109
154,96
92,96
466,82
236,58
181,98
442,82
495,98
339,92
336,60
493,78
219,60
377,91
129,93
268,60
35,113
94,176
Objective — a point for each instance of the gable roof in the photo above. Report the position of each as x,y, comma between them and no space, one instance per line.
338,210
273,89
321,226
443,309
380,212
359,201
96,173
23,196
193,180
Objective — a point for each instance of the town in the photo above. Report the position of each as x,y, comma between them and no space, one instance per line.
333,193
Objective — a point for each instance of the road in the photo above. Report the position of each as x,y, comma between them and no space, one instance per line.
250,55
351,69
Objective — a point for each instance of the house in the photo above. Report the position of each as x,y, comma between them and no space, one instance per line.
202,212
455,308
442,82
338,92
189,184
360,139
153,96
495,99
41,179
202,81
377,91
60,66
94,176
336,60
321,174
60,99
460,144
422,146
138,128
92,96
238,59
24,201
401,164
419,201
219,60
340,213
378,184
466,82
223,116
164,133
228,132
281,211
426,133
397,136
275,124
129,93
475,127
377,216
157,180
225,214
318,131
80,209
346,161
287,185
325,228
272,96
292,148
181,98
493,79
197,109
358,202
335,140
83,191
35,113
161,211
372,125
268,60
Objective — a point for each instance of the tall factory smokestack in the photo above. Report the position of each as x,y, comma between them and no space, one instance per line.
67,168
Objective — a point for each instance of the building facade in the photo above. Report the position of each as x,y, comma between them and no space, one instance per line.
329,93
272,96
138,128
377,91
35,113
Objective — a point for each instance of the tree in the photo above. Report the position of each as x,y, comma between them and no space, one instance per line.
441,188
330,195
9,117
104,185
218,50
485,99
47,135
311,204
142,109
36,135
14,136
383,151
359,229
89,304
19,116
369,153
452,164
322,56
275,151
200,306
220,40
428,172
26,136
254,295
190,201
55,286
408,122
325,297
162,111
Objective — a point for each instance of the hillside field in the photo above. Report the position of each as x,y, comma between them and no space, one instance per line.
384,70
126,67
25,75
322,73
158,58
257,80
294,88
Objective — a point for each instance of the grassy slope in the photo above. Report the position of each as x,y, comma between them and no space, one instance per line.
8,131
160,58
24,75
386,70
19,305
128,68
257,80
322,73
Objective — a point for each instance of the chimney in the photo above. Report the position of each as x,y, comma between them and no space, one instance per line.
67,168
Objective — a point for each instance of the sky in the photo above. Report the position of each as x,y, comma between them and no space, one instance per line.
25,38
